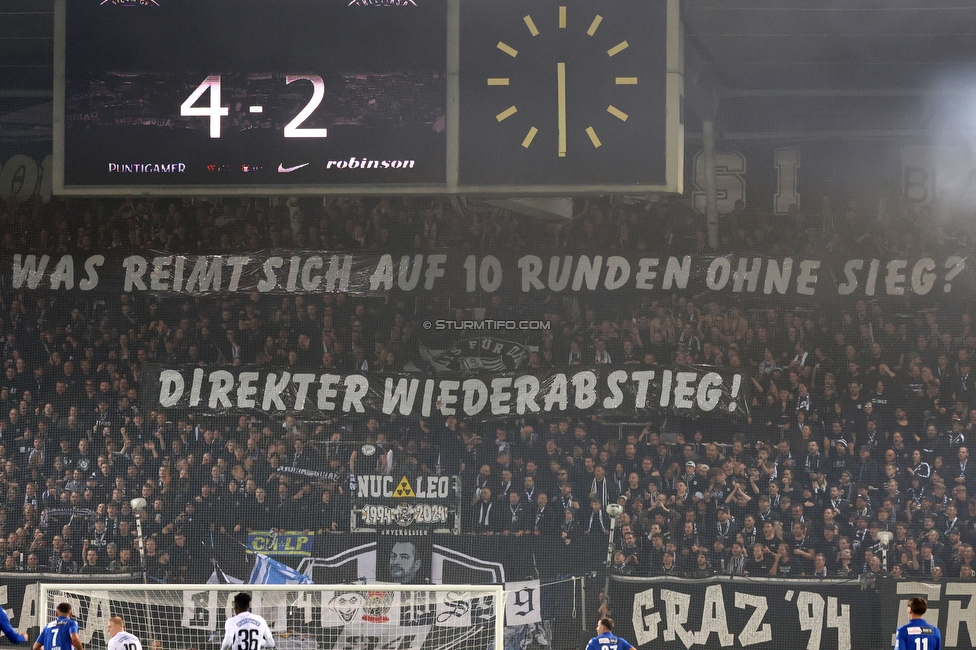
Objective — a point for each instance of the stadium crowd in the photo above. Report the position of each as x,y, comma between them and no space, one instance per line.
862,418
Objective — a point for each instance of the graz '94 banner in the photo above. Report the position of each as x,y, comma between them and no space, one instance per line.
639,391
951,608
304,271
724,612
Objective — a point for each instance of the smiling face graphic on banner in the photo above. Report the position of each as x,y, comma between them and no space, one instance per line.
347,604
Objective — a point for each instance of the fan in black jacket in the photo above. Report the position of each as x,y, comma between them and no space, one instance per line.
327,515
546,521
486,516
515,515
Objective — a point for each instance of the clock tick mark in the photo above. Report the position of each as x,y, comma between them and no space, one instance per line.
562,17
531,25
529,137
595,25
593,138
507,113
497,81
617,113
561,107
626,81
256,109
618,48
508,49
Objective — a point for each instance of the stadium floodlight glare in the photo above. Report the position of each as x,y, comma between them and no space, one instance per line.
885,537
139,509
394,616
614,510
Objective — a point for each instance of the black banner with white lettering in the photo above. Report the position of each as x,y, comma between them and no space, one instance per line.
723,612
456,559
304,271
20,597
599,390
951,608
762,613
398,505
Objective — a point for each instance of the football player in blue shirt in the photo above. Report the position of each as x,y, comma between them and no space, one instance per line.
605,639
61,633
8,629
916,634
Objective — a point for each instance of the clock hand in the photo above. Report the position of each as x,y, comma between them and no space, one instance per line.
561,106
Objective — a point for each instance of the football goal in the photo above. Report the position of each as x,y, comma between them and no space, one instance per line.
307,617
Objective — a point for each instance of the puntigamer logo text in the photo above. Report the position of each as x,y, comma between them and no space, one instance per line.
146,168
382,3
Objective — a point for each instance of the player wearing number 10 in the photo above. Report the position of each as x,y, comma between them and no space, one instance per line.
916,634
119,639
61,633
246,631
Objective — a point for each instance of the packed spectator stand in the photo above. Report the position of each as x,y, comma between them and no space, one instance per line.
861,419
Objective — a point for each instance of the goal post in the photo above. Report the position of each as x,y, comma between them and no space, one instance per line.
302,617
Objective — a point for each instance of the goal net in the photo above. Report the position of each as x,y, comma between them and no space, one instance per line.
310,617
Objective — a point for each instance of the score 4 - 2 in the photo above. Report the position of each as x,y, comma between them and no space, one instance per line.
215,111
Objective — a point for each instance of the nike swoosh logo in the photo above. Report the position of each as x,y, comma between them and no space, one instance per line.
284,170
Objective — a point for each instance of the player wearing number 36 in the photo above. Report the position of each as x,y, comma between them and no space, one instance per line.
605,639
246,631
916,634
118,638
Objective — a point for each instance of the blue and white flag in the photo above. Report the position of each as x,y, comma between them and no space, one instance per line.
272,572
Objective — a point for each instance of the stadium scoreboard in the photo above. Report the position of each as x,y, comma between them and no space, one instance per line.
499,97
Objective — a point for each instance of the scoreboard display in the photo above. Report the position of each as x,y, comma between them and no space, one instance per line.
515,97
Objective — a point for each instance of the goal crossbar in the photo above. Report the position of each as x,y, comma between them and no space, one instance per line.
304,617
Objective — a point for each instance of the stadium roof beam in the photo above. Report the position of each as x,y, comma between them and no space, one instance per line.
837,92
26,94
816,135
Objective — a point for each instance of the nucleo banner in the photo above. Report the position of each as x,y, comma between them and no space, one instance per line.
399,506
